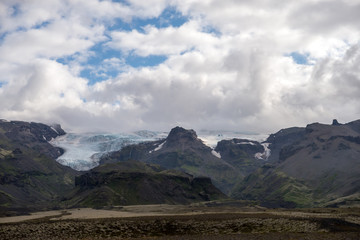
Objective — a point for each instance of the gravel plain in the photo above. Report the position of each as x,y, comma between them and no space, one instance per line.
187,222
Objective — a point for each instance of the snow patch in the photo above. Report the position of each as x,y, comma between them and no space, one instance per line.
211,138
244,143
44,138
264,155
54,130
216,154
158,147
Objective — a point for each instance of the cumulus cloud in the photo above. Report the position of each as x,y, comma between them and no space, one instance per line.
229,66
164,41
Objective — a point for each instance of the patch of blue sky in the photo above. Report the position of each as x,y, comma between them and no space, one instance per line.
42,25
125,2
93,70
299,58
96,74
2,37
91,76
1,84
170,17
149,61
15,10
212,30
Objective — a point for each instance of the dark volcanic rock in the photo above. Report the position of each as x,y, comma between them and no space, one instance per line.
335,123
33,135
179,133
316,166
30,178
282,139
132,182
240,153
181,150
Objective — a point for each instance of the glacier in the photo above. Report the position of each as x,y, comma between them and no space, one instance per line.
84,150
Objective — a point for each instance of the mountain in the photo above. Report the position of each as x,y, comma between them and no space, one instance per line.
314,166
183,150
243,154
30,178
132,182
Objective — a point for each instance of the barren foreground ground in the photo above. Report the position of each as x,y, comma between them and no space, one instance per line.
185,222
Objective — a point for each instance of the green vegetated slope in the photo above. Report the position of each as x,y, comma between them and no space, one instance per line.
133,182
319,166
30,178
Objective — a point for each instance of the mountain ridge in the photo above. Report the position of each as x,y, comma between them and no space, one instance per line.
32,180
183,150
320,164
313,166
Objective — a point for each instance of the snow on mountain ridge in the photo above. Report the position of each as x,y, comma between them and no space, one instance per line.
83,151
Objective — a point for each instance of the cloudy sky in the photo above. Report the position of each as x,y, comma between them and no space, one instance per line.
250,65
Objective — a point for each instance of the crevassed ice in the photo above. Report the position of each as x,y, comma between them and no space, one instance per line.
83,151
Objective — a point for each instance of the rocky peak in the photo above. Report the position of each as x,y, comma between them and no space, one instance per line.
57,128
178,134
30,130
31,135
335,123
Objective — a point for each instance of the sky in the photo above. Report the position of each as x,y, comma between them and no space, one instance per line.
251,65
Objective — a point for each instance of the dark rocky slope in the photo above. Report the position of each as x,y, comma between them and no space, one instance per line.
244,155
183,150
318,166
30,178
132,182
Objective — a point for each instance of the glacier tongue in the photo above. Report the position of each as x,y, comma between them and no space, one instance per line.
83,151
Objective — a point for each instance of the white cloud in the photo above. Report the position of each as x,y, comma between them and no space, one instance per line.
227,67
164,41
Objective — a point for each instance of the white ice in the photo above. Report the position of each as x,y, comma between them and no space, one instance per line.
264,155
158,147
216,154
83,151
